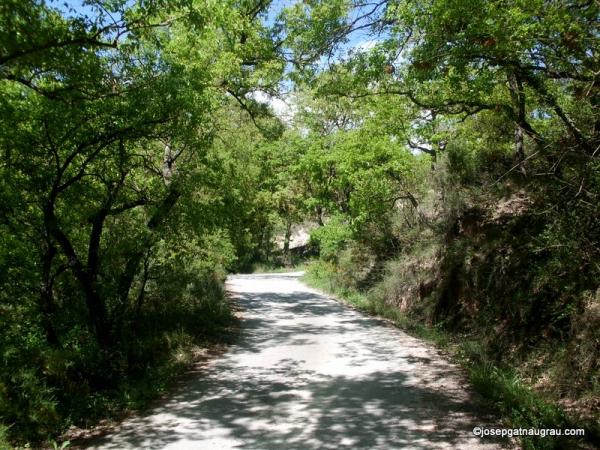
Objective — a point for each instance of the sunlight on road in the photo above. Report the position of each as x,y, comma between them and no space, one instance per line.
309,373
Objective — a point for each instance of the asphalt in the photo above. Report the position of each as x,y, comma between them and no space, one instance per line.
307,372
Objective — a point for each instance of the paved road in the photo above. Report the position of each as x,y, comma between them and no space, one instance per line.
309,373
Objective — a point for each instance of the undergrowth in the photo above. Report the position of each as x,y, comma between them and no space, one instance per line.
165,340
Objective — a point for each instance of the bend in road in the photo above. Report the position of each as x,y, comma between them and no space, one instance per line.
310,373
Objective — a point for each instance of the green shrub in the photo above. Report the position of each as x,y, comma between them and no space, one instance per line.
332,237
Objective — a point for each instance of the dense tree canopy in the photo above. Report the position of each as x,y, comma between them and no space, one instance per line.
139,163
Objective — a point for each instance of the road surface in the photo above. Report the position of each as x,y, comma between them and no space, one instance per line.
309,373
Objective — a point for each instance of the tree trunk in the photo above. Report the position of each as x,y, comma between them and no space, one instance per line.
518,97
142,292
287,260
47,305
319,211
135,259
98,315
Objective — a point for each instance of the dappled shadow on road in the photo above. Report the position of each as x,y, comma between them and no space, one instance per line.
264,411
308,373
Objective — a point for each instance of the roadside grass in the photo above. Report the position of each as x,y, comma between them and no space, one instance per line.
321,280
502,390
266,268
4,444
298,264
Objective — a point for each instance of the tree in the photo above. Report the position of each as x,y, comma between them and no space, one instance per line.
108,120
